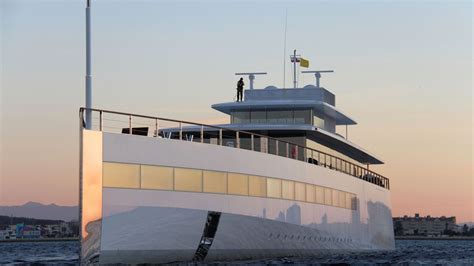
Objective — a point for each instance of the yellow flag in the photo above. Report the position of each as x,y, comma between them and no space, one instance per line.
304,62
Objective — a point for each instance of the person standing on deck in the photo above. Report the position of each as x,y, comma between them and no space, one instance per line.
240,89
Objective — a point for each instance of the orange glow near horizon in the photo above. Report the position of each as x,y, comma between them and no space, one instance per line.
91,179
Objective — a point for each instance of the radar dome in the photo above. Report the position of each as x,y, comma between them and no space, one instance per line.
270,88
309,87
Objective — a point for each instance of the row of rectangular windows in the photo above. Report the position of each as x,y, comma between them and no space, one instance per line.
121,175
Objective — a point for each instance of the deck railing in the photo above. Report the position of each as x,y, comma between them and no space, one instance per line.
127,123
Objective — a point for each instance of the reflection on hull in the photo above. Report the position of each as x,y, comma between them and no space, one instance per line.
91,244
160,235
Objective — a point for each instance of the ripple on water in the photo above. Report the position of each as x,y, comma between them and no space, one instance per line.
408,252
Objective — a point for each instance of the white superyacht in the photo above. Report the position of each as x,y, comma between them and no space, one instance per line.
277,181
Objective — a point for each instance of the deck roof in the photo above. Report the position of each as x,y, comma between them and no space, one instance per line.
318,107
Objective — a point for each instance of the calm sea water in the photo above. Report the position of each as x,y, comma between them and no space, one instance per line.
408,252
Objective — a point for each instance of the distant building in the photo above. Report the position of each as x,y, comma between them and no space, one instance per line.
427,226
27,232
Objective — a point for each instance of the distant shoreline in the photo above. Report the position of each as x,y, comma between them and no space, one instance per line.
433,238
40,240
77,239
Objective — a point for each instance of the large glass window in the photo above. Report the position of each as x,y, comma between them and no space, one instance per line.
156,177
188,180
310,193
273,117
342,199
335,198
273,188
288,189
280,117
240,117
327,196
319,195
353,202
121,175
257,186
300,191
258,117
318,122
238,184
302,116
215,182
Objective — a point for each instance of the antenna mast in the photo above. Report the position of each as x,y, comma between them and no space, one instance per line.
88,67
284,50
317,74
295,59
251,76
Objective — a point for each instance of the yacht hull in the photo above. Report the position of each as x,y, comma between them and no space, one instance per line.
136,225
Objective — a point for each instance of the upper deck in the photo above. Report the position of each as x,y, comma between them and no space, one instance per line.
309,113
151,126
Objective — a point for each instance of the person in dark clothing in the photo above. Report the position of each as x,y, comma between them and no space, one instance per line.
240,89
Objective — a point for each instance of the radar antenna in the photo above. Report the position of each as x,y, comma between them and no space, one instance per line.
317,74
251,76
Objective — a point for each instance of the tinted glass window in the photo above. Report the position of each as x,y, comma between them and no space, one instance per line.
238,184
300,191
273,188
156,177
258,117
215,182
240,117
288,189
121,175
280,117
188,180
310,193
257,186
302,116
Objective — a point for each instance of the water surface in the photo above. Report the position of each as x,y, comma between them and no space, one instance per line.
413,252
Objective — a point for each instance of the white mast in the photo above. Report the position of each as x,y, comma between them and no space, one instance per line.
295,59
88,67
294,68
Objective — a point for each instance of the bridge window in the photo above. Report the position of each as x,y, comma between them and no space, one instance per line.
280,117
240,117
302,117
258,117
272,117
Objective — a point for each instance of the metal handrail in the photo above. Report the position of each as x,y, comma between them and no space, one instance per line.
344,165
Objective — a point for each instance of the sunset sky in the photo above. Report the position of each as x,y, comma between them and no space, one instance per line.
403,71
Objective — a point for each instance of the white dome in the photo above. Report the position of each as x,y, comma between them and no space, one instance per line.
270,88
309,86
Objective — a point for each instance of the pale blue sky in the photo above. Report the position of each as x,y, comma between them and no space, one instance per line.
403,71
